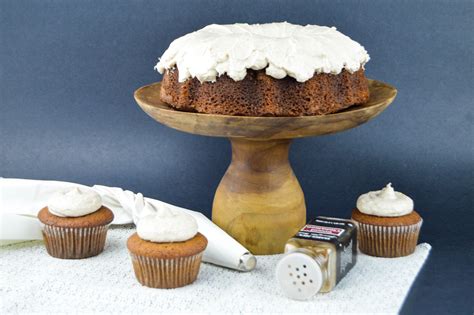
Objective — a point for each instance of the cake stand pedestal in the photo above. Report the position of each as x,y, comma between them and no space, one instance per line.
259,201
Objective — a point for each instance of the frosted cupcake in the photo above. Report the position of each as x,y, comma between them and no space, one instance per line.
75,223
167,249
388,226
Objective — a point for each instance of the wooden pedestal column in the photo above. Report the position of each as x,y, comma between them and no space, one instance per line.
259,201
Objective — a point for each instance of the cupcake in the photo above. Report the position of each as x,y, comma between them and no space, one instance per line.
388,226
167,249
74,223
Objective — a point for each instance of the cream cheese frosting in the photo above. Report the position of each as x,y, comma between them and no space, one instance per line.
74,202
282,49
385,203
166,225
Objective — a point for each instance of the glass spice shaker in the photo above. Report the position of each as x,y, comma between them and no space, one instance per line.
317,257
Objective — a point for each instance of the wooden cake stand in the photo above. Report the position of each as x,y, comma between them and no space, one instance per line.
259,201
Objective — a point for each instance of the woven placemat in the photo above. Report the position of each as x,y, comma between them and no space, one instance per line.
32,281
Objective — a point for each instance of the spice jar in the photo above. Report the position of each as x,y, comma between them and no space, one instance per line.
317,257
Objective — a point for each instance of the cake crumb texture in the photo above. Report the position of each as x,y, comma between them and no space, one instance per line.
261,95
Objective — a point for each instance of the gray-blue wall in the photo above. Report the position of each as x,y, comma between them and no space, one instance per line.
69,69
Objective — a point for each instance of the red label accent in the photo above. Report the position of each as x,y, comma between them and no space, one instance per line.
323,230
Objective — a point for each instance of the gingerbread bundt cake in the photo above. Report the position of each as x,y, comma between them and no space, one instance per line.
276,69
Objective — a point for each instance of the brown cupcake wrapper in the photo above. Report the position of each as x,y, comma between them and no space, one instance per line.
166,273
74,243
388,241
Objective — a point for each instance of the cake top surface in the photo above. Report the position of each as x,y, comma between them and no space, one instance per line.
74,202
282,49
166,225
385,203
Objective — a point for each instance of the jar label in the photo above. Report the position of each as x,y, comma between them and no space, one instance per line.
318,229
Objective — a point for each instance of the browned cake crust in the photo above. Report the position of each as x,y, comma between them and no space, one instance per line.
75,237
409,219
261,95
103,216
166,265
191,247
387,236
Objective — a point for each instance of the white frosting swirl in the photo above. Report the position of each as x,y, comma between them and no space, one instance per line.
167,225
280,48
385,203
74,202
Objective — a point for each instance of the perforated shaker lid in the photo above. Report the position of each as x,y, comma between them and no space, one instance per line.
299,276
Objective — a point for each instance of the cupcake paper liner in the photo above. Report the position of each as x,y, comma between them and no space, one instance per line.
388,241
74,243
166,273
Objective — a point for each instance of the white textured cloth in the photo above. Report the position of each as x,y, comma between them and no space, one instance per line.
32,281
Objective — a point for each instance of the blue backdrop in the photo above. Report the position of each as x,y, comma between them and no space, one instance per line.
69,69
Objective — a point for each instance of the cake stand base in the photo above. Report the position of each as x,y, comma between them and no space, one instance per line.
259,200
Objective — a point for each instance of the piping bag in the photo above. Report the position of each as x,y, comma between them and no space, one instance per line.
21,200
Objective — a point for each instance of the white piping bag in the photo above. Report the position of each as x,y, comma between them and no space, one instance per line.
221,250
21,200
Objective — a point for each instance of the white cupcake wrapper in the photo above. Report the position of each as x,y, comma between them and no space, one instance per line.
74,243
388,241
166,273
